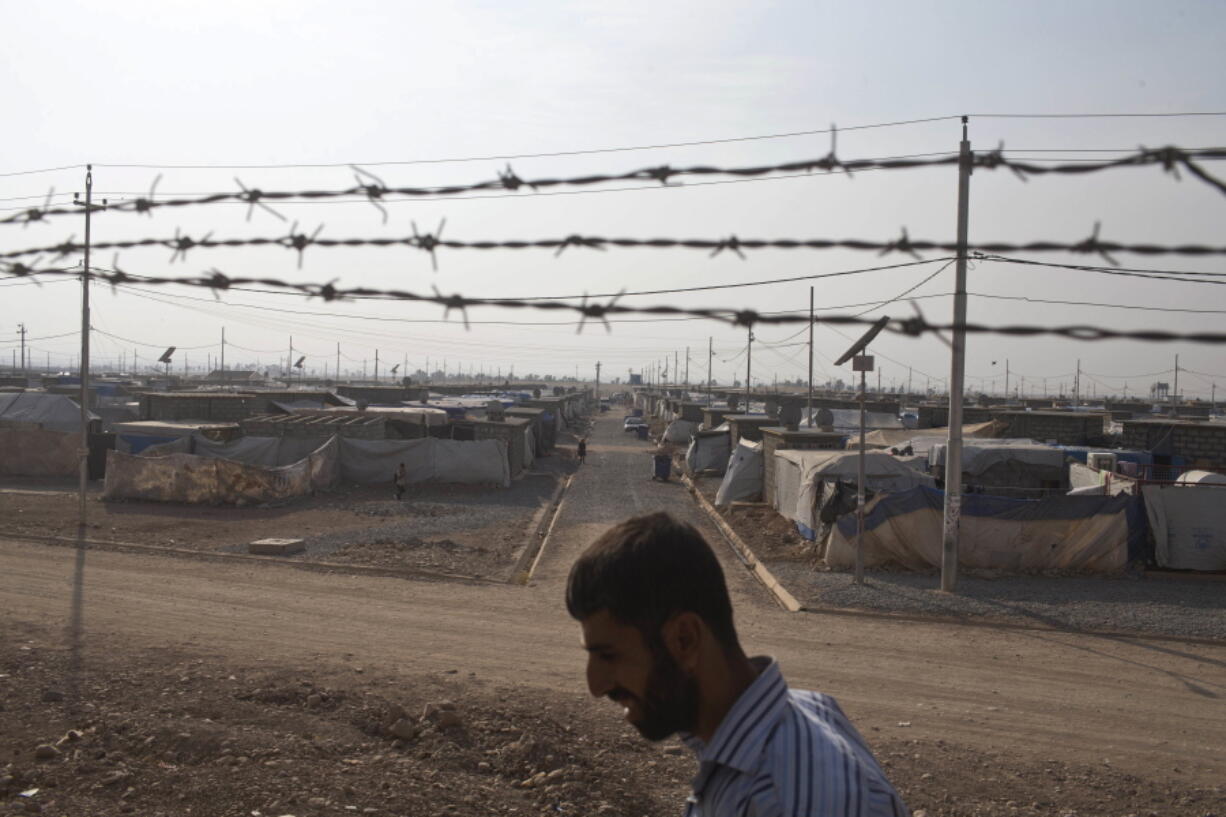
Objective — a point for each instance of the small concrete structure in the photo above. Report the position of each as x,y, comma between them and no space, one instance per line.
1062,427
748,426
777,438
1200,443
276,547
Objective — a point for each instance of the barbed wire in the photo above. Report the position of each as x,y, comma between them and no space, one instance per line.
1171,159
585,311
431,242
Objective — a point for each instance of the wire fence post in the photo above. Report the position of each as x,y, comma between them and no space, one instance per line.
953,450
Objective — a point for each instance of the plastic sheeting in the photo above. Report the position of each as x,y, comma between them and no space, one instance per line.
267,451
1087,481
743,479
977,458
708,452
53,412
1189,526
799,478
427,459
680,431
1063,532
208,480
35,452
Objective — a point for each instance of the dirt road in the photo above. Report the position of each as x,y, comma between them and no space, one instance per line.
1156,709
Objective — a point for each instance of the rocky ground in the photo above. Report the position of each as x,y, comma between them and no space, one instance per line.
165,732
469,530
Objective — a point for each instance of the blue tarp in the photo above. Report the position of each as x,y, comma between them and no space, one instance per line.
1022,510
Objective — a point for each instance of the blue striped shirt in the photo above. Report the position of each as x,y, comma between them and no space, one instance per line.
787,753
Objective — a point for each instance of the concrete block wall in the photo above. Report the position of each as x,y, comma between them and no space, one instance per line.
222,408
512,434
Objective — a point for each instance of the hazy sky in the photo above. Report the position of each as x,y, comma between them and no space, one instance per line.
225,84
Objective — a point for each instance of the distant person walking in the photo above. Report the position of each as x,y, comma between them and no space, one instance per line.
582,450
400,480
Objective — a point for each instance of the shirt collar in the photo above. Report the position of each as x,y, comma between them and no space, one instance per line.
737,741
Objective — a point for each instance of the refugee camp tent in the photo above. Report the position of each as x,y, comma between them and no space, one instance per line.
1189,525
191,478
1007,466
1093,533
680,431
426,460
743,478
51,412
40,434
708,452
806,480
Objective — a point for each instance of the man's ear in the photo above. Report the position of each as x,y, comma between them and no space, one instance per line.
683,636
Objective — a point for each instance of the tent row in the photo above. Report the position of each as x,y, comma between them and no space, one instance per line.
257,470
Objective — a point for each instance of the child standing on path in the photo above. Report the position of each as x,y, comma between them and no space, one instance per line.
399,479
582,451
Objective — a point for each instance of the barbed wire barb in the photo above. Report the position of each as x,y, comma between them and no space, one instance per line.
731,243
182,243
146,204
374,192
429,241
1093,245
300,241
252,197
456,301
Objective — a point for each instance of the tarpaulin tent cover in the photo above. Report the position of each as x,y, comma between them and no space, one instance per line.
922,440
426,459
36,452
708,451
1086,481
743,479
1094,533
799,476
266,451
978,457
53,412
1189,526
209,480
680,431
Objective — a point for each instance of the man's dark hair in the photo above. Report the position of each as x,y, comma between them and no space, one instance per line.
648,569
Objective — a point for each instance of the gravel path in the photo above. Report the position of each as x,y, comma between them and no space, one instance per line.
1180,606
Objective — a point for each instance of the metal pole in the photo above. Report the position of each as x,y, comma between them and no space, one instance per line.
957,370
223,355
748,369
1006,380
21,328
1175,391
860,491
710,361
687,368
809,404
1077,385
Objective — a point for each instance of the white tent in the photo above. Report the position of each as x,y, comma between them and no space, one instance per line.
1189,526
743,479
801,477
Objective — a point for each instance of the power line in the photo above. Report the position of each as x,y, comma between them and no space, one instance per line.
541,155
1129,272
1094,115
